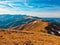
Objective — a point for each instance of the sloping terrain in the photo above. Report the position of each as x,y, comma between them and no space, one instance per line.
33,33
27,38
36,25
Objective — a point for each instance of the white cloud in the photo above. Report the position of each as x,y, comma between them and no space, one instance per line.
4,11
13,1
39,14
11,5
43,14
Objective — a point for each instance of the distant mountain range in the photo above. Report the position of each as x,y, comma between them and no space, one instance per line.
23,22
8,20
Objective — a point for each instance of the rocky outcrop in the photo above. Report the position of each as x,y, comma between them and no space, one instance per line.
53,29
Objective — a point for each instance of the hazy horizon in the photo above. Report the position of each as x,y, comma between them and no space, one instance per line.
40,8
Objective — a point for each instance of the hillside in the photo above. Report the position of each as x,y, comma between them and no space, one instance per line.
32,33
37,25
27,38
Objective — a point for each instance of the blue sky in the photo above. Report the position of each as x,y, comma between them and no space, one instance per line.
42,8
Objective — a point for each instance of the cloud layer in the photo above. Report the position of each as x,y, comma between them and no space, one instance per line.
42,8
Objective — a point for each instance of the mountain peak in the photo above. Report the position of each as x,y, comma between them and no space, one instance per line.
37,25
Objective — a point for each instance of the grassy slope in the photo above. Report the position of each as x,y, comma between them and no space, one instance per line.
31,36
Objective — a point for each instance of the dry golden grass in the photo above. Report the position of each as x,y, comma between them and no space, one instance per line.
36,35
27,38
36,26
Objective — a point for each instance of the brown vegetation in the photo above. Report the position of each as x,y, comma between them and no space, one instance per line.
33,33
